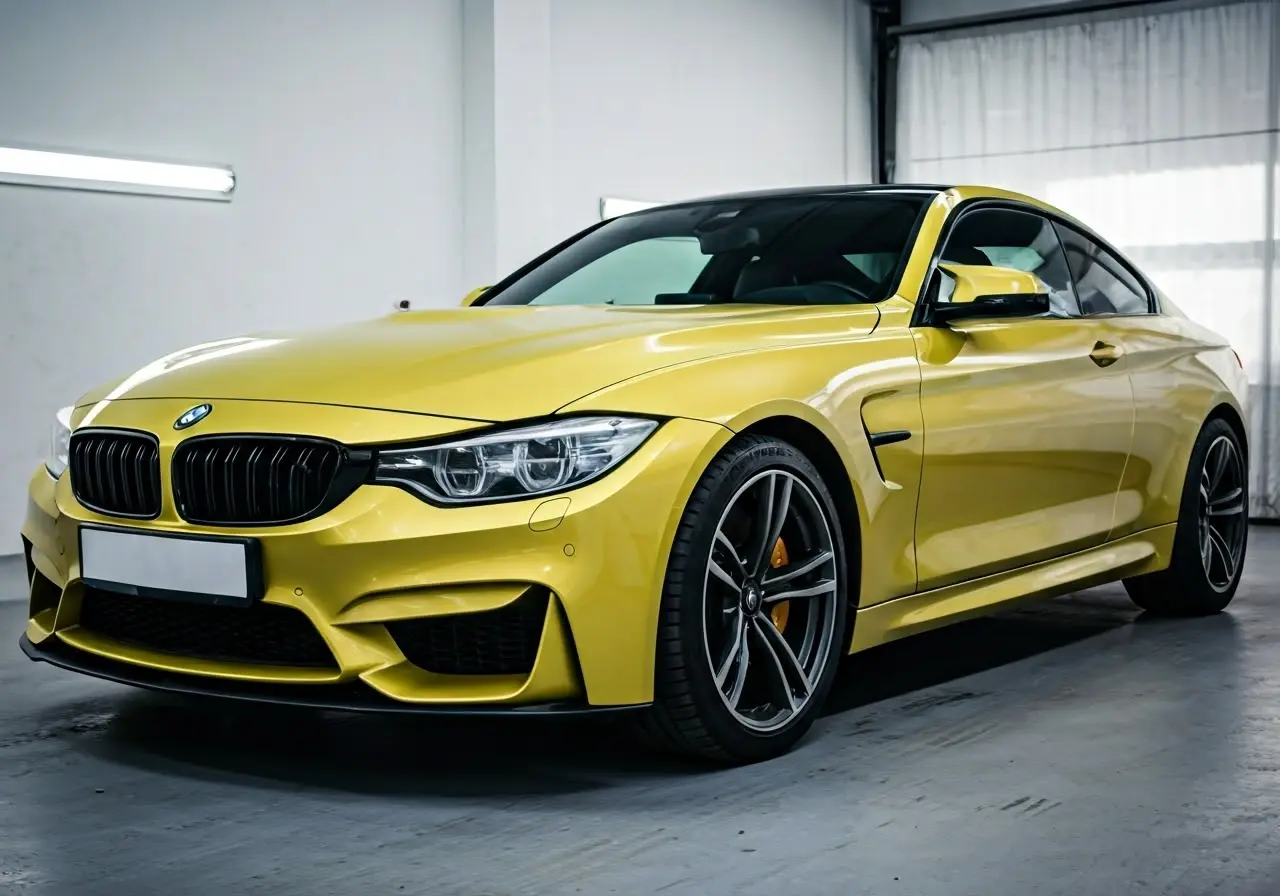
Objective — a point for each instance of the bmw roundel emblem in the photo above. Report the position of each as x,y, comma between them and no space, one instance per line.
193,416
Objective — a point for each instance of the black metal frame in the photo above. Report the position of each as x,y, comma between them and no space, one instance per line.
1008,17
886,15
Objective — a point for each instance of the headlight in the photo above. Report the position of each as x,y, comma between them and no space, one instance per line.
515,463
55,460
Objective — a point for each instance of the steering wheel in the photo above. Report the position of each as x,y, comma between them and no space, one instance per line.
858,294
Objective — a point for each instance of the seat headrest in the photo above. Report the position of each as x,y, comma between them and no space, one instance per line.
961,254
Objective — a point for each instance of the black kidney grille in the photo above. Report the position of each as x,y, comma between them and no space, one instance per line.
253,480
495,642
116,472
262,633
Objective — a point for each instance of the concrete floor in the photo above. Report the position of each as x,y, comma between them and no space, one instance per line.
1071,748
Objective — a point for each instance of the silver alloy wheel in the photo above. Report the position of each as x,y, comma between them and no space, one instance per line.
1223,520
767,673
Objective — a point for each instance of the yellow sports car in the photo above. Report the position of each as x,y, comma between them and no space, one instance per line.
678,465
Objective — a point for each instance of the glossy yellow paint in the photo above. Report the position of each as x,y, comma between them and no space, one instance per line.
479,363
1027,440
1133,555
470,298
975,281
1044,455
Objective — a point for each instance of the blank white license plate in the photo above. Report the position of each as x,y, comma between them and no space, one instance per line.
208,570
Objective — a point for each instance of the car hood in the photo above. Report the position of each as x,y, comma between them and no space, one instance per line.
491,364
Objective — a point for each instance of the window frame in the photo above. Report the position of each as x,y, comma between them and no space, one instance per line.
1120,260
1057,238
922,316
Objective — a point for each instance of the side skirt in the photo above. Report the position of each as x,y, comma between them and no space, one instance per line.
1141,552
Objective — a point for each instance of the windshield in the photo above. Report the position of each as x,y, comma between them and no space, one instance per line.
796,250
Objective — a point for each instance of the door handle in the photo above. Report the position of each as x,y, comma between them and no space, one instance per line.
1105,354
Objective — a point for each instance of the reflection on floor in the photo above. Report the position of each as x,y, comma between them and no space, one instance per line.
1073,747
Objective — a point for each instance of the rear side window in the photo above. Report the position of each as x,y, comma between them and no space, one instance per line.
1014,239
1104,285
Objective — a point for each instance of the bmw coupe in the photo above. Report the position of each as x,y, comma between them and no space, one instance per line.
675,467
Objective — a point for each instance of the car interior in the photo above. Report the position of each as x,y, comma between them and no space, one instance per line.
769,254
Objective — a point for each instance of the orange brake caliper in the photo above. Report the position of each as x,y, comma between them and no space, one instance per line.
782,609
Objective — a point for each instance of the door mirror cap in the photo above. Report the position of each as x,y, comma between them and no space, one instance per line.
968,291
470,298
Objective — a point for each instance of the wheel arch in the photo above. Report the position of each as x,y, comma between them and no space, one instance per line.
1231,415
814,444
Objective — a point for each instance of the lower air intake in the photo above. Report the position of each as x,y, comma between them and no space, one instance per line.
261,634
494,642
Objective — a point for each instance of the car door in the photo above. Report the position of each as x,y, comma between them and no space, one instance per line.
1027,422
1170,382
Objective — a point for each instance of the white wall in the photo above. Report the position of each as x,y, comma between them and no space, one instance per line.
342,120
708,97
660,100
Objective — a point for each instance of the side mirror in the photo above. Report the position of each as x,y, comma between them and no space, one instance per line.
470,298
968,291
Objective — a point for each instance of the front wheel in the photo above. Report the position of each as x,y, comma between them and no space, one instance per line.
754,608
1213,530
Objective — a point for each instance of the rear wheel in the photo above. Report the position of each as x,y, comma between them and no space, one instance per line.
753,608
1213,530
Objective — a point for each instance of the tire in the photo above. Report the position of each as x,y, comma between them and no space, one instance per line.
1214,497
702,614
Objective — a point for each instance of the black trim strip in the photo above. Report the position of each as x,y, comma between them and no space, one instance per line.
888,437
1026,14
27,548
346,697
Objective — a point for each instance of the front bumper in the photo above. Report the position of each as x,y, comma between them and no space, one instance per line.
597,554
348,697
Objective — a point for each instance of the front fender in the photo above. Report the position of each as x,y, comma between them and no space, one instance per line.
845,390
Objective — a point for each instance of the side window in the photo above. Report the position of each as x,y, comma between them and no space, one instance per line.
1104,284
1015,239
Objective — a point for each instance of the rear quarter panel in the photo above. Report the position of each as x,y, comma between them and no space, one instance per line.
1182,372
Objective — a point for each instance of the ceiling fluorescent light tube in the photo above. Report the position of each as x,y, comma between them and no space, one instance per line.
34,167
611,206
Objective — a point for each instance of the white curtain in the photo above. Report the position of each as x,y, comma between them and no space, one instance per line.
1157,126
